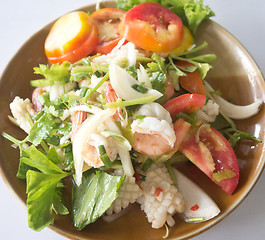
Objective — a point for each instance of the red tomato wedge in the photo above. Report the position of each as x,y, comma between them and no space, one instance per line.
214,156
72,37
186,103
152,27
107,21
193,81
181,129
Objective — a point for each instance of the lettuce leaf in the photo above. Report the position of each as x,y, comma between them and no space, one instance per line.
94,196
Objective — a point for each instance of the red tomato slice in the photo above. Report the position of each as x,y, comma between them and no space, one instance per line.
107,21
152,27
213,154
193,81
186,103
181,129
72,37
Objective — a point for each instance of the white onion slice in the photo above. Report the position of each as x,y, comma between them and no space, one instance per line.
195,195
82,135
118,46
86,108
143,77
123,153
232,110
122,82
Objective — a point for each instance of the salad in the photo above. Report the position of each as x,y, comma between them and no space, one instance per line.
123,102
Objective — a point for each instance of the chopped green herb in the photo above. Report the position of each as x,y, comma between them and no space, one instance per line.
104,156
147,164
139,88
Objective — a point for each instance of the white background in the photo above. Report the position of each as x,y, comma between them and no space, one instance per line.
243,18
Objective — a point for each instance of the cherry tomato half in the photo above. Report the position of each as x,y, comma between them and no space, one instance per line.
212,154
72,37
152,27
193,81
186,103
107,21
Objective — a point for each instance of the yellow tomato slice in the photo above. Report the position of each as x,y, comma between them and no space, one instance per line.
72,37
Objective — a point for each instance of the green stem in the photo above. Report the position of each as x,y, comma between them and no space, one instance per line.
89,93
126,103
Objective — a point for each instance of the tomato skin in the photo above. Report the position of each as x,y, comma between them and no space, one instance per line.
181,129
186,43
193,81
186,103
212,146
152,27
107,21
79,40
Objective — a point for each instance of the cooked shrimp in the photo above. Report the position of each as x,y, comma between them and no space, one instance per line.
78,118
111,96
91,152
153,135
86,140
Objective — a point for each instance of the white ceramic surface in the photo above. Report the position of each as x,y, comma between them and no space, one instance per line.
245,19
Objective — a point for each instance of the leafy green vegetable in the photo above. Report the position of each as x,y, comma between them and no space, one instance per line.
55,73
43,186
42,194
94,196
191,12
231,132
36,159
42,128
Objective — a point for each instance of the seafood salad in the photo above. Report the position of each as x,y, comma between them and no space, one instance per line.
122,103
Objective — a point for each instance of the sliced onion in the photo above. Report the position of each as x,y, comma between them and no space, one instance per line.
86,108
118,46
232,110
82,135
122,82
118,138
143,77
123,153
193,195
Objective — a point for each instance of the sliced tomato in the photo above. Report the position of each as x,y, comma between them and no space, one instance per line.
186,43
169,90
193,81
72,37
186,103
107,21
213,155
152,27
181,129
